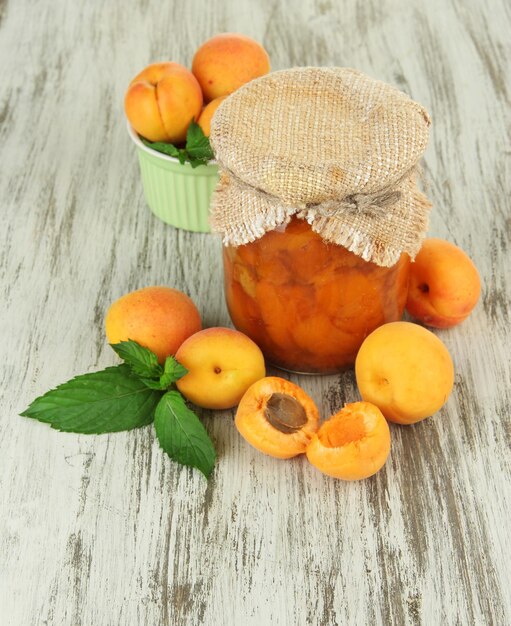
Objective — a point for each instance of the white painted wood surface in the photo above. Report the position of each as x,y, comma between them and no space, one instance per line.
106,530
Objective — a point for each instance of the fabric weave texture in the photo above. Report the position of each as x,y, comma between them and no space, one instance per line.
331,145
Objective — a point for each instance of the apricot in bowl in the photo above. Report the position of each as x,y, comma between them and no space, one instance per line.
205,117
227,61
162,100
353,444
277,417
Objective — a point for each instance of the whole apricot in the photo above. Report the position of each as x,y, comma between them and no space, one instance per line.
277,417
444,284
161,102
353,444
204,120
405,370
227,61
222,364
159,318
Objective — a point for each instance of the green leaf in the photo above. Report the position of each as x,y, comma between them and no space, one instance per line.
182,435
165,148
153,384
108,401
197,151
198,147
172,371
141,360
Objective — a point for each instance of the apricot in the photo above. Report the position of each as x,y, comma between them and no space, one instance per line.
227,61
159,318
277,417
444,285
353,444
405,370
161,102
222,364
204,120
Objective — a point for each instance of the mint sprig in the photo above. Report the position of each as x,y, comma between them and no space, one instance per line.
172,372
198,147
129,396
197,150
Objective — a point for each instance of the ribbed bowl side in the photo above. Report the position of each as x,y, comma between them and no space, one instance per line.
178,194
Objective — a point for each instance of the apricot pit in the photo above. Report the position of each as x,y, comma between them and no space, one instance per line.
285,413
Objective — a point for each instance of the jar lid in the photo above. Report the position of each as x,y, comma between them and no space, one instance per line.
331,145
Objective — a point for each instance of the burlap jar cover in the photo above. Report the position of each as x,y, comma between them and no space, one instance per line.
330,145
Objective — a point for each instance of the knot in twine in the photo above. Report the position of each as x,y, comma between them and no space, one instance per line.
373,204
377,226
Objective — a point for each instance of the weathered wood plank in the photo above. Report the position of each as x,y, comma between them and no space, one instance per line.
106,530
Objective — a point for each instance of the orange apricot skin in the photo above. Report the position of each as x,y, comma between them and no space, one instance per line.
222,363
405,370
356,459
226,62
204,120
142,111
159,318
255,428
444,285
162,100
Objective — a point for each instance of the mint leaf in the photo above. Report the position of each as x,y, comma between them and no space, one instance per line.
182,157
141,360
153,384
198,147
172,371
197,151
165,148
182,435
111,400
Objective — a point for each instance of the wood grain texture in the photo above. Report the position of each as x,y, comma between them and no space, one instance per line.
108,531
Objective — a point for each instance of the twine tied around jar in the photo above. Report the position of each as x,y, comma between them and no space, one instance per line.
375,204
329,145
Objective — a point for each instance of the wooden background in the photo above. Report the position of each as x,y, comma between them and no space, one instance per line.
106,530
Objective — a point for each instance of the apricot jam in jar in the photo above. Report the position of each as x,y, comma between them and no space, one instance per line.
306,303
318,209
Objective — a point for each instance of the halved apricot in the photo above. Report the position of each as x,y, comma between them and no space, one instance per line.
353,444
277,417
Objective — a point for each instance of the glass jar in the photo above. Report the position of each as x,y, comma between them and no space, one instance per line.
309,304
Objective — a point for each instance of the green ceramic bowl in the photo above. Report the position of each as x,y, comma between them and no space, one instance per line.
177,194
